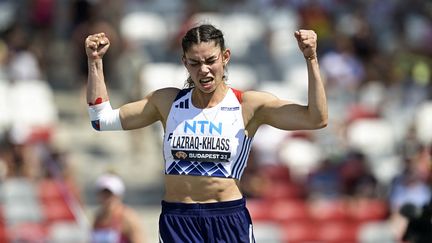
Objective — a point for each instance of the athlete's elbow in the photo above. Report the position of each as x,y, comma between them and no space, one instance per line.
322,124
319,122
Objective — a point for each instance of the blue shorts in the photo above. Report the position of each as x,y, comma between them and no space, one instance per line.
228,222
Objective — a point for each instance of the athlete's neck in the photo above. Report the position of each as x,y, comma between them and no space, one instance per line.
207,100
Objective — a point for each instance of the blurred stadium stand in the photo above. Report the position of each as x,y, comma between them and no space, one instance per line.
344,183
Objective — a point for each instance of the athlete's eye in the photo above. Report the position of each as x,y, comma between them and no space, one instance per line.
194,64
211,62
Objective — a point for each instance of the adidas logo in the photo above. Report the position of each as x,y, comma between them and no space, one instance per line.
183,104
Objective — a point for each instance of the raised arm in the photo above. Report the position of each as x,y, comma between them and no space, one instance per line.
316,113
268,109
96,46
134,115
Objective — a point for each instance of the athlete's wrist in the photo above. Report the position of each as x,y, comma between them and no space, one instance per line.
311,57
96,60
95,65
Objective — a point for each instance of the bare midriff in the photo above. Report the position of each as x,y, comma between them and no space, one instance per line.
200,189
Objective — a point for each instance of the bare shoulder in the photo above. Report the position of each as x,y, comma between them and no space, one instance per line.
163,98
255,99
260,107
252,102
165,94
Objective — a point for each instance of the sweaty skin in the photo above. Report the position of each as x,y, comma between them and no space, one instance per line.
206,61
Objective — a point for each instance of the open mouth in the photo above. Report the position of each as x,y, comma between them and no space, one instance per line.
206,80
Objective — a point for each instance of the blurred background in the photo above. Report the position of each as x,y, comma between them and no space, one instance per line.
357,180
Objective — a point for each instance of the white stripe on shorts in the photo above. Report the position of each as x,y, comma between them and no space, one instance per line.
160,239
251,240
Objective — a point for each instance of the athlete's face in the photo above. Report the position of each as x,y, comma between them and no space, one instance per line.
205,63
106,197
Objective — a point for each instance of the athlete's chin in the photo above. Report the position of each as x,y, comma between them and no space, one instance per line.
208,89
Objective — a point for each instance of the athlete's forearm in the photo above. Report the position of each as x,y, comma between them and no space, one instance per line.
317,101
102,116
96,88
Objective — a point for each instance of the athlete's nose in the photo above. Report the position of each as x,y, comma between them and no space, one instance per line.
204,68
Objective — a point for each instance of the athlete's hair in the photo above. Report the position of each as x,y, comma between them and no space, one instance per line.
199,34
203,33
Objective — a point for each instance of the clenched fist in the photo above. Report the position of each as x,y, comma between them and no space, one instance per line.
96,46
307,42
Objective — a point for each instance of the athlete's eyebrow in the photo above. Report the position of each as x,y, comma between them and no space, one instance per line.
212,57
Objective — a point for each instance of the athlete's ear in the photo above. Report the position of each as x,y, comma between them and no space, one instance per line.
226,55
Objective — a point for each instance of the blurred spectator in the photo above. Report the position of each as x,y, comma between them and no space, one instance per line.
22,63
20,156
356,177
325,181
342,68
411,186
409,189
419,227
114,221
90,18
57,166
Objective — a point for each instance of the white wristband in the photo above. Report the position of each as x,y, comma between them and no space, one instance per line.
104,118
